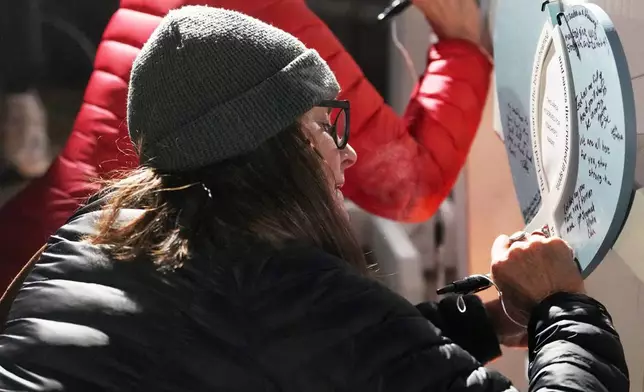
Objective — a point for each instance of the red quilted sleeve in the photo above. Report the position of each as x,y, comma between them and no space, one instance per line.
407,167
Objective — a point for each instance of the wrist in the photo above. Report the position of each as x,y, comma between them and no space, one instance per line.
472,38
495,315
509,331
483,58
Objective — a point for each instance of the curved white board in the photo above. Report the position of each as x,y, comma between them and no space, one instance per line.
534,101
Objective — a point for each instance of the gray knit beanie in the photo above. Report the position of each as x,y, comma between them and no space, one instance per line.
211,84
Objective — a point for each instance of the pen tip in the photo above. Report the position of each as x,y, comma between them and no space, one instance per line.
382,16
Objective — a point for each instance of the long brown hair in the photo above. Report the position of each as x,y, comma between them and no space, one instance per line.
274,194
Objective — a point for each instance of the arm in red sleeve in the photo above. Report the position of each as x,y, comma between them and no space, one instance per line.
407,167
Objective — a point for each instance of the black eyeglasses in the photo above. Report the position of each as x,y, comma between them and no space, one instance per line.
339,121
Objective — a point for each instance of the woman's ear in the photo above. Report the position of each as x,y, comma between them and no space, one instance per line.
305,125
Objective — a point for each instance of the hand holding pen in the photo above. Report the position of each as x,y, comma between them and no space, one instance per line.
526,268
475,283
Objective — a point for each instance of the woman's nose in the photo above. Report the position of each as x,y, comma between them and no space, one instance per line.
349,157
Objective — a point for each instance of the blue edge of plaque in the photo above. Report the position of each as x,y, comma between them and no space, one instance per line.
630,135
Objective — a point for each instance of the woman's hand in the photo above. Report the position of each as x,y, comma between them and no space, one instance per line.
528,271
453,19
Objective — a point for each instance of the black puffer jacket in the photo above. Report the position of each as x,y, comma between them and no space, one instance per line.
294,320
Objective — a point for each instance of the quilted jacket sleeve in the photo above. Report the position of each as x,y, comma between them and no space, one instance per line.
407,166
574,347
367,338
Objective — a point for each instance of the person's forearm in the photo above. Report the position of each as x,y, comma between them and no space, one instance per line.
407,167
472,329
445,112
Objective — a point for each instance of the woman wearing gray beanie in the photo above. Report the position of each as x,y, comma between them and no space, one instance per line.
225,262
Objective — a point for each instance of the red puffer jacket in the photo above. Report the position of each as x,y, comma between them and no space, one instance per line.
406,166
